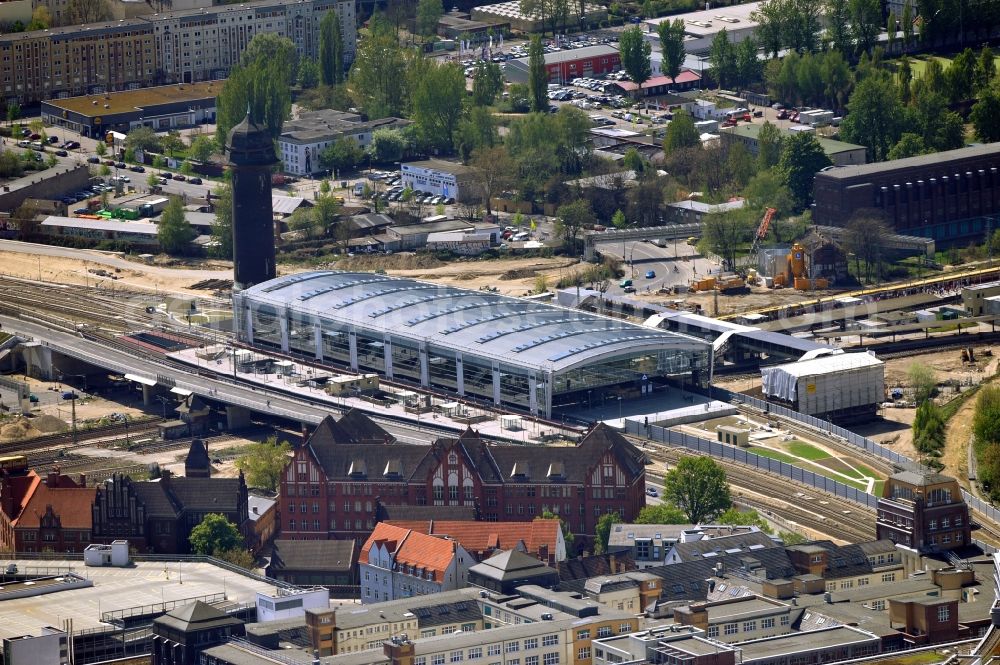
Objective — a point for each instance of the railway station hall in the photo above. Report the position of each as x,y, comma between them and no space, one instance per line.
515,353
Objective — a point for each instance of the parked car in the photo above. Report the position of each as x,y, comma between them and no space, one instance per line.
180,177
62,153
108,162
167,175
137,169
194,181
650,274
93,160
782,114
121,165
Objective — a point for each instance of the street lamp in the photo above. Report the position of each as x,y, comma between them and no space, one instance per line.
620,416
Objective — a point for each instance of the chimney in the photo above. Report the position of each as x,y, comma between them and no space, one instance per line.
543,553
6,497
52,480
83,480
165,477
255,512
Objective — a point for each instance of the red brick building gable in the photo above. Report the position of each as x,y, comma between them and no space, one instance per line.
336,481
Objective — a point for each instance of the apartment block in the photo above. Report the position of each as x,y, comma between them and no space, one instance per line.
182,46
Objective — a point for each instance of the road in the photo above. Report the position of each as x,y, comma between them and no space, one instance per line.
279,404
643,256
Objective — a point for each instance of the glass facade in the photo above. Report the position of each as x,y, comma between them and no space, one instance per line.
442,368
266,326
336,344
478,373
405,360
371,352
301,333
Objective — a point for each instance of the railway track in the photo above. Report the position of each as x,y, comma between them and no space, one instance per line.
792,501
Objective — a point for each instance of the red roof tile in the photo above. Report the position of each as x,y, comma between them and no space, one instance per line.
485,536
686,76
70,502
412,548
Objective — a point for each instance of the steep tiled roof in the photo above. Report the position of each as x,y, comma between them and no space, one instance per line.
412,548
71,503
486,536
215,494
316,555
584,567
494,463
511,565
392,512
20,489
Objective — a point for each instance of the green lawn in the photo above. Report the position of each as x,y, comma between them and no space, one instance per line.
788,459
806,450
877,489
774,454
922,658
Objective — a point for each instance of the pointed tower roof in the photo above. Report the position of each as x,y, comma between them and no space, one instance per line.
250,144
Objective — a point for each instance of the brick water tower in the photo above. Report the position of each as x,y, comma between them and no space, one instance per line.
251,156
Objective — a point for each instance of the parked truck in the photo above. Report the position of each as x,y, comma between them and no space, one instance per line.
152,207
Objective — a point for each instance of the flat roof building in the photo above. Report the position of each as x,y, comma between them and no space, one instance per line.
303,140
701,27
945,196
510,14
840,153
563,66
437,176
163,107
508,351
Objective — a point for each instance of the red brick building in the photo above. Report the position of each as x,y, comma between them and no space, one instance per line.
338,479
564,66
50,514
923,511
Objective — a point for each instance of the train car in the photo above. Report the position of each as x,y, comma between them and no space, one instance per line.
14,464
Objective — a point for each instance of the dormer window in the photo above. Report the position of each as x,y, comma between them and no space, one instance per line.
452,458
358,468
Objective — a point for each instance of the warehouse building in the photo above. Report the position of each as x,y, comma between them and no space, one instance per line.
509,14
701,27
436,176
304,139
564,66
947,196
514,353
162,108
844,387
839,152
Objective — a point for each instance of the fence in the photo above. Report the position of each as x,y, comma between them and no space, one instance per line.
723,451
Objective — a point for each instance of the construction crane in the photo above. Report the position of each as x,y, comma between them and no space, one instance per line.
765,224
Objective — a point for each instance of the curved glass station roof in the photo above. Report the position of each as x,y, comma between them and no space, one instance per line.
513,330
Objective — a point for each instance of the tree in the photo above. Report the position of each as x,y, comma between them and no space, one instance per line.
771,17
259,87
672,46
173,232
388,145
428,14
875,116
922,380
101,149
838,14
13,112
802,157
272,48
748,68
928,428
152,180
697,486
343,154
985,115
308,73
961,76
26,218
203,147
487,83
663,513
890,28
171,143
436,101
214,534
632,161
538,76
907,21
769,140
866,238
571,219
603,531
768,189
143,138
681,133
985,70
908,145
378,76
837,78
866,23
567,533
494,171
41,19
736,517
264,462
222,227
635,52
87,11
331,49
986,417
722,59
725,234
